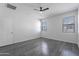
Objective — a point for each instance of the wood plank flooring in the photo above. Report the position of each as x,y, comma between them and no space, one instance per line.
40,47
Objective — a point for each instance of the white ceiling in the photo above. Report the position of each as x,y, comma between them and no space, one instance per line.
54,8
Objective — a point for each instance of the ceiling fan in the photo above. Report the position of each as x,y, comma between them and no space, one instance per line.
42,9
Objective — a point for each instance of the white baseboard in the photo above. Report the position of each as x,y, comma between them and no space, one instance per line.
60,40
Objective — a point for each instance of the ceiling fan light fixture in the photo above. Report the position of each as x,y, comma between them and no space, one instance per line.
41,12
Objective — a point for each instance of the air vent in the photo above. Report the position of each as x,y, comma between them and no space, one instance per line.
11,6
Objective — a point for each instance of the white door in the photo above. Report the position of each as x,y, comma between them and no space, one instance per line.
6,25
6,32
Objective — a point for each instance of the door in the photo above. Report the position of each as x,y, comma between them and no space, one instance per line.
6,32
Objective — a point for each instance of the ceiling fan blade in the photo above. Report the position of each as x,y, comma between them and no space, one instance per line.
40,8
36,9
45,9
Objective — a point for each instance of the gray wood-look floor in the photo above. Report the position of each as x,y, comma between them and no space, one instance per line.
40,47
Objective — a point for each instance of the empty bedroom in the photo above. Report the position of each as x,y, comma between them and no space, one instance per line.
39,29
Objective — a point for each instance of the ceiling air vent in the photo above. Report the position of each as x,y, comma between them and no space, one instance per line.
11,6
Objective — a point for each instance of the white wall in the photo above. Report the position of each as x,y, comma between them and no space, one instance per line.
78,28
55,28
18,25
26,24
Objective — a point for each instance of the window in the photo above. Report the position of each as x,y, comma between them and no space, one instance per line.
43,25
69,24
